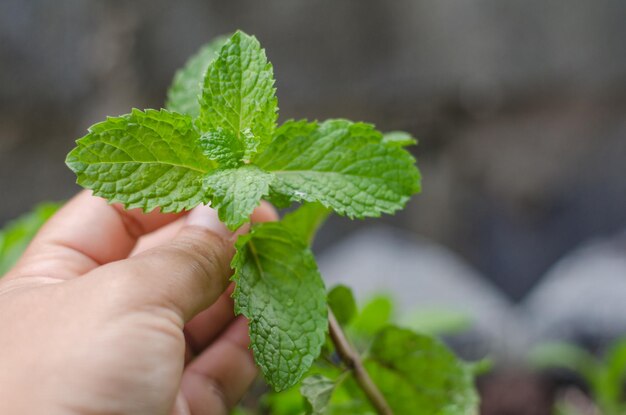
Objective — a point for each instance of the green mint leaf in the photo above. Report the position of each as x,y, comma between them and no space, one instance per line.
280,291
342,302
17,234
144,160
343,165
238,92
399,138
306,220
223,147
250,144
376,314
184,93
317,391
419,375
228,151
236,192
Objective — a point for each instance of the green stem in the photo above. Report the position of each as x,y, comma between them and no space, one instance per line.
351,358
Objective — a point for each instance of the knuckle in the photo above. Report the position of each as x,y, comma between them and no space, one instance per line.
200,252
203,250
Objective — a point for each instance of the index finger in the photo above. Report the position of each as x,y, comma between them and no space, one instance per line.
85,233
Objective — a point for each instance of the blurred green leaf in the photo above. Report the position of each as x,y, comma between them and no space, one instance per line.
608,384
317,391
341,302
16,236
306,220
565,356
437,321
480,367
399,138
290,401
241,411
286,402
605,377
376,314
419,375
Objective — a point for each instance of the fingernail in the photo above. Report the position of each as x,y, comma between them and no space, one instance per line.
206,217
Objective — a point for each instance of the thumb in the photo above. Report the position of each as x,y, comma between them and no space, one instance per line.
185,275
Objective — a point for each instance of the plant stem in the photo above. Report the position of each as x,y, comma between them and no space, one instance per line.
351,358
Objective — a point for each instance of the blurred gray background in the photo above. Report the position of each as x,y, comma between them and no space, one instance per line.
519,105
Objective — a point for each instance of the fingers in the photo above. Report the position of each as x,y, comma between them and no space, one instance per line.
217,379
220,376
159,237
185,275
207,325
264,213
85,233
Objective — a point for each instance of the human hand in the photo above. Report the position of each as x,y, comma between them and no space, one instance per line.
119,312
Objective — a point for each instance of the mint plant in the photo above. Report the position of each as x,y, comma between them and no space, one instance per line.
218,143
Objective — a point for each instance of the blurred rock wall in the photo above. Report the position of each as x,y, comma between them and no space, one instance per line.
519,106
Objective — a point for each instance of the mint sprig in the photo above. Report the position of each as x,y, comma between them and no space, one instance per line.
225,148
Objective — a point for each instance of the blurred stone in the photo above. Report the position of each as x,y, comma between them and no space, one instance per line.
582,298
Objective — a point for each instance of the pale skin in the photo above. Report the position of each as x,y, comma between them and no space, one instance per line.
120,312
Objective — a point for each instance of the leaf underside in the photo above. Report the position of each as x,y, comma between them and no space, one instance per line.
317,390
